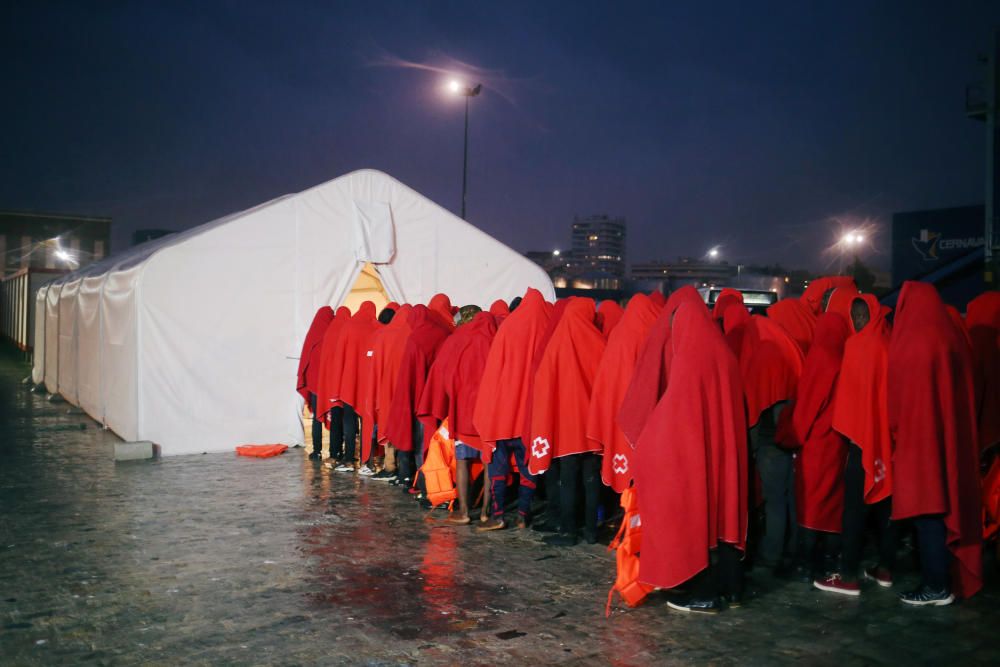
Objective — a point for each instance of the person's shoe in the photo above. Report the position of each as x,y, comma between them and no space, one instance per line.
491,524
590,537
365,471
315,456
733,600
879,575
696,606
413,491
545,527
560,540
835,584
927,596
344,467
384,476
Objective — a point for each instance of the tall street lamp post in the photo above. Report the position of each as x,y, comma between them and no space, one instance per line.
467,92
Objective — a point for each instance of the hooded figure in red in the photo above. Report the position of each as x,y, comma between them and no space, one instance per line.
656,296
691,477
325,399
440,305
649,380
387,347
933,419
427,333
798,316
819,464
609,314
563,384
312,347
770,362
610,385
501,410
500,310
452,385
982,319
860,410
729,297
343,380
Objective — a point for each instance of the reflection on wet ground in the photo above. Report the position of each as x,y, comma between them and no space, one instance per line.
219,559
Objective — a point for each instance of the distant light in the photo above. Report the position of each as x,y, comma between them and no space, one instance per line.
555,253
786,279
454,86
713,252
63,255
858,238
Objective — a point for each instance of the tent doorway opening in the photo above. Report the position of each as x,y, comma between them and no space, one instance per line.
368,287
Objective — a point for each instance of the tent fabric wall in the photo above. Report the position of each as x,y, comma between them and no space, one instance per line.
192,340
38,342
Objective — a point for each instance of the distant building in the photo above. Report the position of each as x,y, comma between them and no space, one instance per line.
51,240
143,235
598,250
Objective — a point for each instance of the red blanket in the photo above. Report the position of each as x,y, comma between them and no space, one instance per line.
860,410
982,318
563,385
312,347
933,419
691,473
610,385
819,464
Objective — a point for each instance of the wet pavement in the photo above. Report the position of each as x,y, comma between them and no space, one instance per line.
219,559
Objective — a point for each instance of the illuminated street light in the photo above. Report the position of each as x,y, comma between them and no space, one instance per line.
555,253
63,255
468,92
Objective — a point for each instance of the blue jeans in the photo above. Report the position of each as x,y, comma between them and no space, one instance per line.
499,468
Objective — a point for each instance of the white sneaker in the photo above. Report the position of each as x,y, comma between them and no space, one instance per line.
365,471
346,467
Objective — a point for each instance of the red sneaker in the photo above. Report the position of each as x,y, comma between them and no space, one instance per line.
835,584
879,575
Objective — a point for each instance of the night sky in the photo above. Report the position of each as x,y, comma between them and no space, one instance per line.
751,125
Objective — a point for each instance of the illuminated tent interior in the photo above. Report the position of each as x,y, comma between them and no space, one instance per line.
191,341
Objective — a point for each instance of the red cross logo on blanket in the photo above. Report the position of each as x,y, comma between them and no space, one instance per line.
539,447
619,464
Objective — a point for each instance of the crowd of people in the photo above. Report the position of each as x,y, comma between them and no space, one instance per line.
724,435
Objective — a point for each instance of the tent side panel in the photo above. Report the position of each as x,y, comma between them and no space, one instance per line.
66,374
118,386
88,360
38,342
217,335
52,338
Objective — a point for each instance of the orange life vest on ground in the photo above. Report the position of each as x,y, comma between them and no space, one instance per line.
261,451
628,543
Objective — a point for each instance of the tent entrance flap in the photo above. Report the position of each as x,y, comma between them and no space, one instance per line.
368,287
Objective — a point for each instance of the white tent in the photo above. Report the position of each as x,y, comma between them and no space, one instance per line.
192,341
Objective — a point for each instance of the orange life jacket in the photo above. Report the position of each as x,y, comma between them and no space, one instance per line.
261,451
439,468
628,542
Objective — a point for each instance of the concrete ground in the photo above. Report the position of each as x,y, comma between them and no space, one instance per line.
218,559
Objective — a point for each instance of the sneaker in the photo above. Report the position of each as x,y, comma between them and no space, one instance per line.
695,606
835,584
927,596
879,575
384,476
344,467
365,471
314,456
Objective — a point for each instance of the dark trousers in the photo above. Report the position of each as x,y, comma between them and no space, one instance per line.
336,432
935,559
351,425
550,478
723,576
856,512
777,476
573,470
407,463
317,426
818,550
499,468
